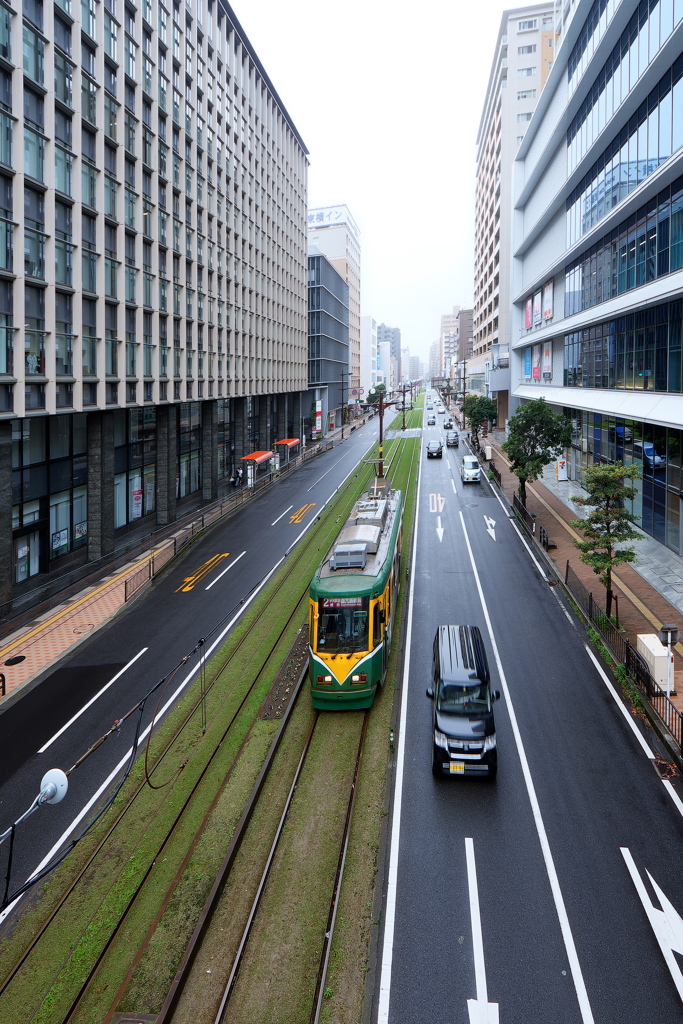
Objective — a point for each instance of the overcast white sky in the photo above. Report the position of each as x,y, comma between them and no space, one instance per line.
388,98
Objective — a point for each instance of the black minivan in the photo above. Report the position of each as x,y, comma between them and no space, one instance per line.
464,730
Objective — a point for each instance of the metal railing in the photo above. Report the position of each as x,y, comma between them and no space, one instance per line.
528,518
497,475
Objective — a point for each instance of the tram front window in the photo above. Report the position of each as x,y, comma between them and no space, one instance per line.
342,625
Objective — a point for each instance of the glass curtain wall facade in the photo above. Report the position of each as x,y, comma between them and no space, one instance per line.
604,317
328,331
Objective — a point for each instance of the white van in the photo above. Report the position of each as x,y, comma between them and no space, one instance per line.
470,470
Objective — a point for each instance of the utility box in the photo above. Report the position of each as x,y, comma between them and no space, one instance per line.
655,655
488,454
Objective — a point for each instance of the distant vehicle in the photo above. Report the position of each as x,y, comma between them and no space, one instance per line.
431,421
464,729
452,439
434,450
429,405
441,410
645,450
470,470
448,424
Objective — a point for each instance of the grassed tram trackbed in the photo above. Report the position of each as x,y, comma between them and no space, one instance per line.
98,954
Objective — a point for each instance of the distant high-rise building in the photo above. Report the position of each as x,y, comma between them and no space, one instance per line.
393,336
448,340
328,338
369,355
334,232
524,55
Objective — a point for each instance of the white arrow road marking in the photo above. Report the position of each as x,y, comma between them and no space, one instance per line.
481,1011
490,526
666,923
439,529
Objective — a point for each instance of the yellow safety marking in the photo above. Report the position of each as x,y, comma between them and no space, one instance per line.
191,581
615,576
436,502
298,517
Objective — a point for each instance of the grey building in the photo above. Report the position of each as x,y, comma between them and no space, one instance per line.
328,340
155,329
393,336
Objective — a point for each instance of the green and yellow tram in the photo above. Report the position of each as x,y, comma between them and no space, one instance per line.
352,603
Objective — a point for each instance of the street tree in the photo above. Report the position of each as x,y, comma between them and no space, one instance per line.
373,396
479,410
609,522
536,436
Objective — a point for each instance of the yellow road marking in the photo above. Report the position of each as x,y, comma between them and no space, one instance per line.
298,517
191,581
626,590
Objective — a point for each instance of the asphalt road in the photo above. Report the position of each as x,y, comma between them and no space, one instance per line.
197,597
517,892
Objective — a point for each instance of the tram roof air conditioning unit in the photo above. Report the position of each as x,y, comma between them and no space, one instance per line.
349,556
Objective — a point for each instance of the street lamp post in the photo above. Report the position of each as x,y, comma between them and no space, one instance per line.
374,391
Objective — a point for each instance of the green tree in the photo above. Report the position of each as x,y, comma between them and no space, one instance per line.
609,523
536,436
479,410
373,394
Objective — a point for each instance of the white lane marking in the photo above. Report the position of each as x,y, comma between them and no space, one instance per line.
92,700
227,569
490,526
620,704
143,736
480,1010
283,514
678,803
666,923
568,938
453,486
333,466
439,528
392,886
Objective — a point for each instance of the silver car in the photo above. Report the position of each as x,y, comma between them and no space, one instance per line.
470,470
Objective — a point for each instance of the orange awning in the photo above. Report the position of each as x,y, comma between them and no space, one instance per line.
289,441
258,457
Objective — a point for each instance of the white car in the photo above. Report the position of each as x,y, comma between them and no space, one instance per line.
470,470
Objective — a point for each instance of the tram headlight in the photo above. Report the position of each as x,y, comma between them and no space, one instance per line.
359,679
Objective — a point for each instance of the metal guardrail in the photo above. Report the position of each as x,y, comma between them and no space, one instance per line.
528,518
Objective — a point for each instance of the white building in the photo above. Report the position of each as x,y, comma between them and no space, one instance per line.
597,275
369,355
523,57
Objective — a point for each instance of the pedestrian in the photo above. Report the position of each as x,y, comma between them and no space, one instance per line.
239,476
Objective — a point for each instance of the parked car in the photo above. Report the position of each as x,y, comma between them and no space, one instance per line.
434,450
452,439
431,421
470,470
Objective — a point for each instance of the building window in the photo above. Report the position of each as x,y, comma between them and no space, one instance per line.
526,72
525,26
527,94
526,49
523,117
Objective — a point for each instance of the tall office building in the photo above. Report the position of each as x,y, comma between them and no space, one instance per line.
597,279
334,232
524,55
155,330
328,343
448,339
370,369
393,336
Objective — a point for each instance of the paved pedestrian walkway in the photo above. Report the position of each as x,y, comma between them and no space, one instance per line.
644,588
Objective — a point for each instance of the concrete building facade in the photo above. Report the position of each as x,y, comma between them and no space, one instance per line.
155,329
370,370
597,282
523,57
393,336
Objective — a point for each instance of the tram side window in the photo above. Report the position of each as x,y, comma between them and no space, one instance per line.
376,633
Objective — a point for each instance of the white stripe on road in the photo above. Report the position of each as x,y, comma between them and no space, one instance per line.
479,1009
283,514
227,569
577,976
620,704
92,701
392,885
143,736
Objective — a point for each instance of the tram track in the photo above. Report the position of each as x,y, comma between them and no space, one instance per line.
85,872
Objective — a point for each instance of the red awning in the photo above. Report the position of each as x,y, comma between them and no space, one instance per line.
258,457
289,441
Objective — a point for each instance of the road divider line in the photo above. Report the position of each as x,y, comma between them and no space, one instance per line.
480,1010
392,878
283,514
565,928
620,704
92,700
227,569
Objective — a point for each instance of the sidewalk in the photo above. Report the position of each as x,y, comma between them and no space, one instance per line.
643,588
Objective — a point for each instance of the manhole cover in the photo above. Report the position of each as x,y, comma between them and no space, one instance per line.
85,628
475,505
